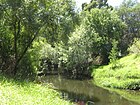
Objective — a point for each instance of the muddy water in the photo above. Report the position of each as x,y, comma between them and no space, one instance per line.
85,92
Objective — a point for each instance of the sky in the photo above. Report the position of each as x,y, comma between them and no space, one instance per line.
114,3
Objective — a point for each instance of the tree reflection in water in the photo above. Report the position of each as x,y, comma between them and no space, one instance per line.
85,92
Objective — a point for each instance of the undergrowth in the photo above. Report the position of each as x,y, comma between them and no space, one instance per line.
125,76
27,93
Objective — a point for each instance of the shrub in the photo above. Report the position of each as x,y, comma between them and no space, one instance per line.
135,47
114,54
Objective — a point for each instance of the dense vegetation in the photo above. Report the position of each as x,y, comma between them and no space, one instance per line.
40,37
24,92
123,76
23,24
123,73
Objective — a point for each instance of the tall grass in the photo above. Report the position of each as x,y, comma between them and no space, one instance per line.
125,76
27,93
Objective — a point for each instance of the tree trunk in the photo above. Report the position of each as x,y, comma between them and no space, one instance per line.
25,50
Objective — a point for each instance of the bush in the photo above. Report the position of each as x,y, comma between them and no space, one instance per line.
135,47
114,54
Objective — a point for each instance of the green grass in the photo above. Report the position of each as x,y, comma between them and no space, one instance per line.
130,95
127,94
28,93
126,75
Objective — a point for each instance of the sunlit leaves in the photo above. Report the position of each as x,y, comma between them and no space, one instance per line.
95,35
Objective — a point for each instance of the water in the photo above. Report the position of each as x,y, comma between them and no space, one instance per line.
84,91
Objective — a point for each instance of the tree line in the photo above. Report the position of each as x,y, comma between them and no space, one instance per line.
39,35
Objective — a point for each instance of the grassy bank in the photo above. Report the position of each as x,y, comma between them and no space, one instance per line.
126,75
130,95
27,93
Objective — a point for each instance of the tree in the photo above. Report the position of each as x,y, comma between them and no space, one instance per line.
113,56
96,4
129,13
94,37
64,19
23,21
108,26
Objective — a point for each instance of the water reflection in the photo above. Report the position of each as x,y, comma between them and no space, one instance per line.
80,99
85,91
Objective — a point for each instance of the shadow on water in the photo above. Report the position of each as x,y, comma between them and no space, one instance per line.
84,92
78,98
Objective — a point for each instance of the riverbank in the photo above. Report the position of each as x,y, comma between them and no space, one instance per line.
122,79
27,93
126,74
127,94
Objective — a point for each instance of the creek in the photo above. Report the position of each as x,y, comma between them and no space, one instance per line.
85,92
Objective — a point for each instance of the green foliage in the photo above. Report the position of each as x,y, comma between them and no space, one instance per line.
63,20
135,47
77,52
24,92
96,4
55,53
22,22
114,54
98,29
125,77
126,74
129,13
31,31
130,95
108,27
106,23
